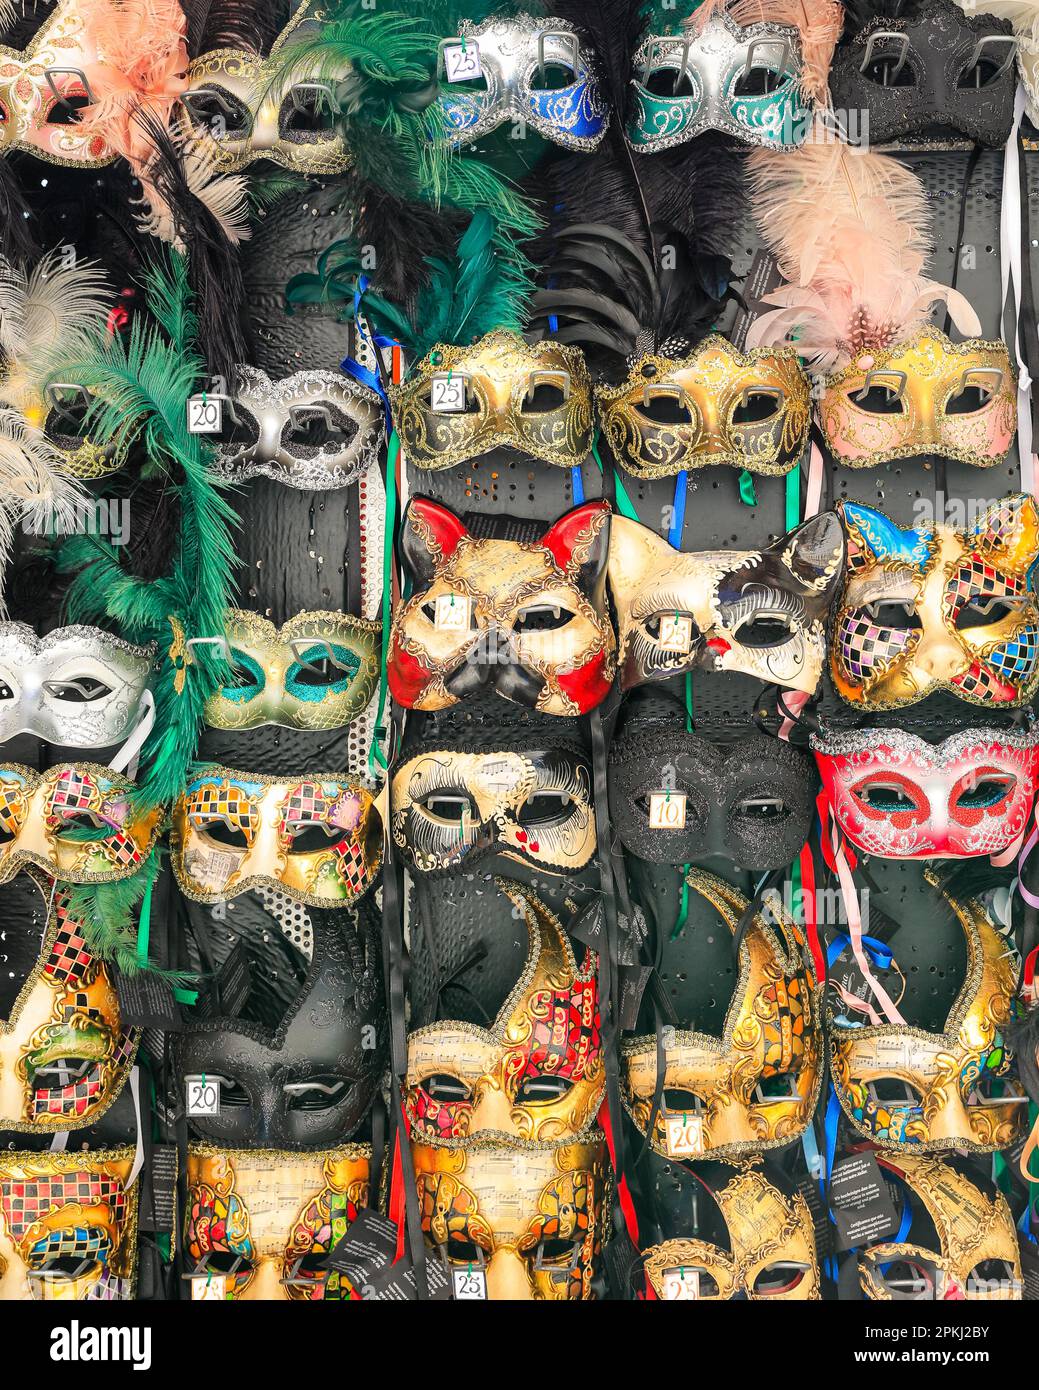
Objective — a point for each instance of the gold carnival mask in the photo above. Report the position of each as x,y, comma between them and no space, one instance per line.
977,1259
717,406
533,1220
317,671
537,1073
756,1086
64,1053
68,1226
960,1086
928,395
771,1248
502,391
259,1224
43,817
317,838
932,608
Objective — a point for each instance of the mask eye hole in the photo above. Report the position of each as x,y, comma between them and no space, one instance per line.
666,408
782,1277
543,1090
308,112
225,1262
893,613
678,1101
219,832
757,405
217,112
62,1072
765,630
317,427
78,690
238,428
993,1089
981,611
555,76
543,399
450,807
233,1095
971,397
320,666
66,419
760,81
545,808
879,398
554,1252
984,73
69,110
6,693
763,808
987,792
542,617
670,82
464,1252
893,1091
317,1093
773,1088
448,1090
312,838
885,71
887,797
910,1278
246,674
991,1276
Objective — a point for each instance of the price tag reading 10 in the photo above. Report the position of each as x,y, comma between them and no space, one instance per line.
462,61
205,414
202,1095
447,394
667,810
469,1283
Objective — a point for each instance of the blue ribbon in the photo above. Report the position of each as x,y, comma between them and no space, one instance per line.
878,952
373,380
674,536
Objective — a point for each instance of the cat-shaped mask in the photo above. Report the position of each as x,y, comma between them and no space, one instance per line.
933,608
760,612
525,616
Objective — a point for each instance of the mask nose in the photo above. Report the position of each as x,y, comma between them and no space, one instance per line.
507,1278
265,134
491,1110
939,655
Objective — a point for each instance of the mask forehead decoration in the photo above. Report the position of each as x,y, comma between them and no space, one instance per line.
271,1218
315,429
526,618
532,397
894,794
759,612
68,1226
977,1257
756,1086
534,1219
538,71
960,1085
537,1074
317,838
78,687
933,608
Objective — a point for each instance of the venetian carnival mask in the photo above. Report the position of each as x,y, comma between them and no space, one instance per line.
759,612
755,1086
527,617
317,838
899,796
260,1224
933,608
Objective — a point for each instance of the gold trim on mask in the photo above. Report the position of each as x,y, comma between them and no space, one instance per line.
710,383
500,371
771,1029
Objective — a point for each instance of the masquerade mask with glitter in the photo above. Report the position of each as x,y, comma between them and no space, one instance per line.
263,1222
68,1226
931,608
756,1085
64,1054
927,67
461,402
525,617
317,671
313,430
896,795
76,822
955,1089
77,687
536,1073
737,1234
533,1220
317,838
309,1081
521,69
759,612
961,1243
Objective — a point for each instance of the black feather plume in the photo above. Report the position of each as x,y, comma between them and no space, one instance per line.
403,234
17,243
249,24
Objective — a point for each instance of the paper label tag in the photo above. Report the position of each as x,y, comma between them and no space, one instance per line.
863,1211
684,1135
667,810
147,1001
206,1287
205,415
681,1284
447,394
451,613
676,633
469,1283
462,62
158,1205
202,1095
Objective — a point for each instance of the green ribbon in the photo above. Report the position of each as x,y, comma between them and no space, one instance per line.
624,503
375,753
683,905
747,494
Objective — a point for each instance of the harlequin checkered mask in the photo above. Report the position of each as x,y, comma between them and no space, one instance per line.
536,1073
756,1086
317,671
76,822
759,612
317,838
532,1221
957,1089
932,608
263,1222
64,1053
532,70
68,1226
899,796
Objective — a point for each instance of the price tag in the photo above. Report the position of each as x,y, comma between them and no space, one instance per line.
676,633
451,613
681,1284
667,810
462,61
206,1287
202,1095
447,393
469,1283
205,415
684,1135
